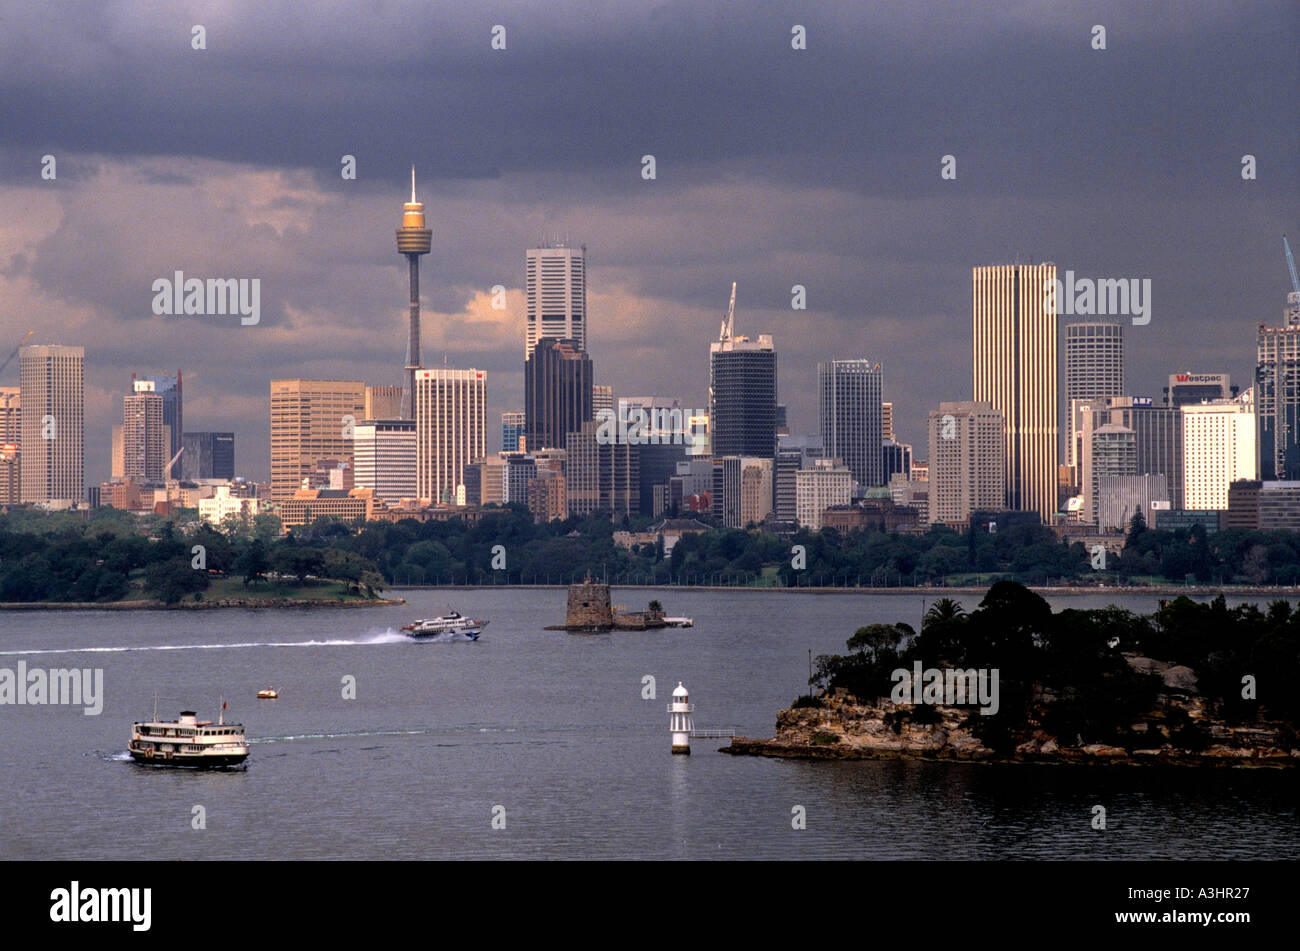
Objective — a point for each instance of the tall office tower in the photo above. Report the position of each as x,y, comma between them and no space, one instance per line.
1191,387
555,283
173,417
207,456
967,461
602,397
513,427
413,240
601,475
1015,370
1277,391
451,430
1094,367
383,458
755,490
53,448
557,392
886,421
311,420
742,392
1218,449
825,484
11,438
726,490
384,402
142,434
850,414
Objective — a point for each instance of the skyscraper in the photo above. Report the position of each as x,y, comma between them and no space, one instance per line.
413,240
451,430
52,380
742,393
311,420
1277,392
143,444
384,457
557,392
1094,367
967,446
11,438
1015,369
169,388
555,284
850,414
1218,449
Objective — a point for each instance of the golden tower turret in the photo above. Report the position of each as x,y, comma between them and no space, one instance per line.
413,240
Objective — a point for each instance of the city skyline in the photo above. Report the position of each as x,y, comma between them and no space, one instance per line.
770,182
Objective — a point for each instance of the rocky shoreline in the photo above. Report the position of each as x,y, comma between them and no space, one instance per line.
844,728
151,605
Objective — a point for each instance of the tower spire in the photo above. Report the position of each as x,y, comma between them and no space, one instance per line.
412,184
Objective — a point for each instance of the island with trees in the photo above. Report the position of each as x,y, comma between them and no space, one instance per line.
1195,683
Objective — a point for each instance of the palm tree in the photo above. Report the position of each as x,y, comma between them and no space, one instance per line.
942,611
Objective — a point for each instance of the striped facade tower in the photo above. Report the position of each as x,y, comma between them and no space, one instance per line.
1015,370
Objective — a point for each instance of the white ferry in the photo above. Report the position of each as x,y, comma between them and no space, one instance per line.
188,741
450,623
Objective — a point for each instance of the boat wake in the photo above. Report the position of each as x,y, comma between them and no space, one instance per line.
388,636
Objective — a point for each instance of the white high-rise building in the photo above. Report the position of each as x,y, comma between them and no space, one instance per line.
1218,449
555,283
143,445
451,415
828,482
1094,367
52,383
967,459
384,457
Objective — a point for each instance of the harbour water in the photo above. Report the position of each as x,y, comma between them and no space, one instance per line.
548,734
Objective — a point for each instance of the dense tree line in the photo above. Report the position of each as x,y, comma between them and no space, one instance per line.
66,556
1066,672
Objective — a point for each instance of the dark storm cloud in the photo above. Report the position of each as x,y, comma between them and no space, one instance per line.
775,167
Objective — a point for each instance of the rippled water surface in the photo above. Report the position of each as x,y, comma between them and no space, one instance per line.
552,728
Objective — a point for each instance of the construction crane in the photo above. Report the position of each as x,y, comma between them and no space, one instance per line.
1292,299
13,354
728,322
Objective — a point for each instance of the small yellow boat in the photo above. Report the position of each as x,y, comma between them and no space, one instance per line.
270,693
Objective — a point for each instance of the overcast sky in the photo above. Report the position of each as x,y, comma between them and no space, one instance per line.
775,167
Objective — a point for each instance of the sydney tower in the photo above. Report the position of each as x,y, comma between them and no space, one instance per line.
413,239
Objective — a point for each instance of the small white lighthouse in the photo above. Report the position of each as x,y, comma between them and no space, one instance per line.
679,720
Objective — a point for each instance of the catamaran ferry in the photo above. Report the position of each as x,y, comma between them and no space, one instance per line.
188,741
450,623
